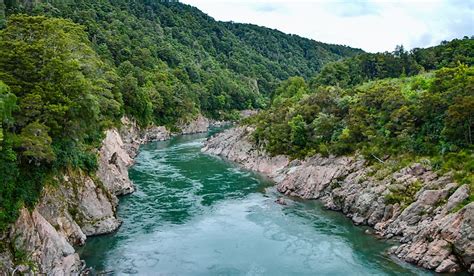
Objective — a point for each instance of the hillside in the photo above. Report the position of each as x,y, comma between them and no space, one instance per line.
207,59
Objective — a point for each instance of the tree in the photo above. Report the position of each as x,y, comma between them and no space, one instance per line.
2,13
298,131
459,121
137,101
35,144
292,89
56,96
324,126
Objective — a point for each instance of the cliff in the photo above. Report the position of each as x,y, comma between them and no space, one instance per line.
78,205
415,205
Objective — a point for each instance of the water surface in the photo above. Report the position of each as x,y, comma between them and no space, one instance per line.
195,214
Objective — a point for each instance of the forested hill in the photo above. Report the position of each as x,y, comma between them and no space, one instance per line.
401,63
220,66
299,55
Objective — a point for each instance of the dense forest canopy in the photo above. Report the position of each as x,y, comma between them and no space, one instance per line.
427,114
208,66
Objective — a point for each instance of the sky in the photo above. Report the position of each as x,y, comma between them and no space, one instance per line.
372,25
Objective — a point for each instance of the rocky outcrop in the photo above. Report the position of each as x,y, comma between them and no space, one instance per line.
133,136
248,113
431,232
198,125
79,207
75,207
236,145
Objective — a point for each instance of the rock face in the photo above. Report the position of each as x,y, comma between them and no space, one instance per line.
114,161
248,113
431,233
132,136
48,248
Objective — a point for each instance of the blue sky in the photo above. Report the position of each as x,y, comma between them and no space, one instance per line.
372,25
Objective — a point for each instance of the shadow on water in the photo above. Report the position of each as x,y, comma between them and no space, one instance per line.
195,214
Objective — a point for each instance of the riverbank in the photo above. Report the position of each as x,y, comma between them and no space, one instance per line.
77,205
434,232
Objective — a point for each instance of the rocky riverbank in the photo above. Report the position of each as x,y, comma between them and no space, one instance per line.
429,218
77,205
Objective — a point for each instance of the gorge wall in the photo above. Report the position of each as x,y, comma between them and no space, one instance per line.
77,205
435,230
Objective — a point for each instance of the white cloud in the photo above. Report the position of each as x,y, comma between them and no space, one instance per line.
371,25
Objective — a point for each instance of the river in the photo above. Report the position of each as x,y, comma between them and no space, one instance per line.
195,214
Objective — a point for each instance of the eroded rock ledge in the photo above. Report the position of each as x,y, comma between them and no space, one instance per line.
79,205
431,232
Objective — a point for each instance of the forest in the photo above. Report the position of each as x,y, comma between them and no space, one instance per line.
71,69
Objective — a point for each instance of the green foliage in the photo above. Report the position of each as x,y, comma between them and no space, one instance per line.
35,143
400,63
461,163
136,101
290,55
55,99
298,137
403,195
447,54
2,13
58,78
7,106
292,89
70,69
9,190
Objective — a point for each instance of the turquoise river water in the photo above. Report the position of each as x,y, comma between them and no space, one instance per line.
195,214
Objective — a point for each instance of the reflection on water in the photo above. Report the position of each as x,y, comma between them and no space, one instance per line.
195,214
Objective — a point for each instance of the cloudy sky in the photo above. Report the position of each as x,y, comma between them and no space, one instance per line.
368,24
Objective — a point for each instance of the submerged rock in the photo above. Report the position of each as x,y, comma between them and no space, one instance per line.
281,201
431,234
